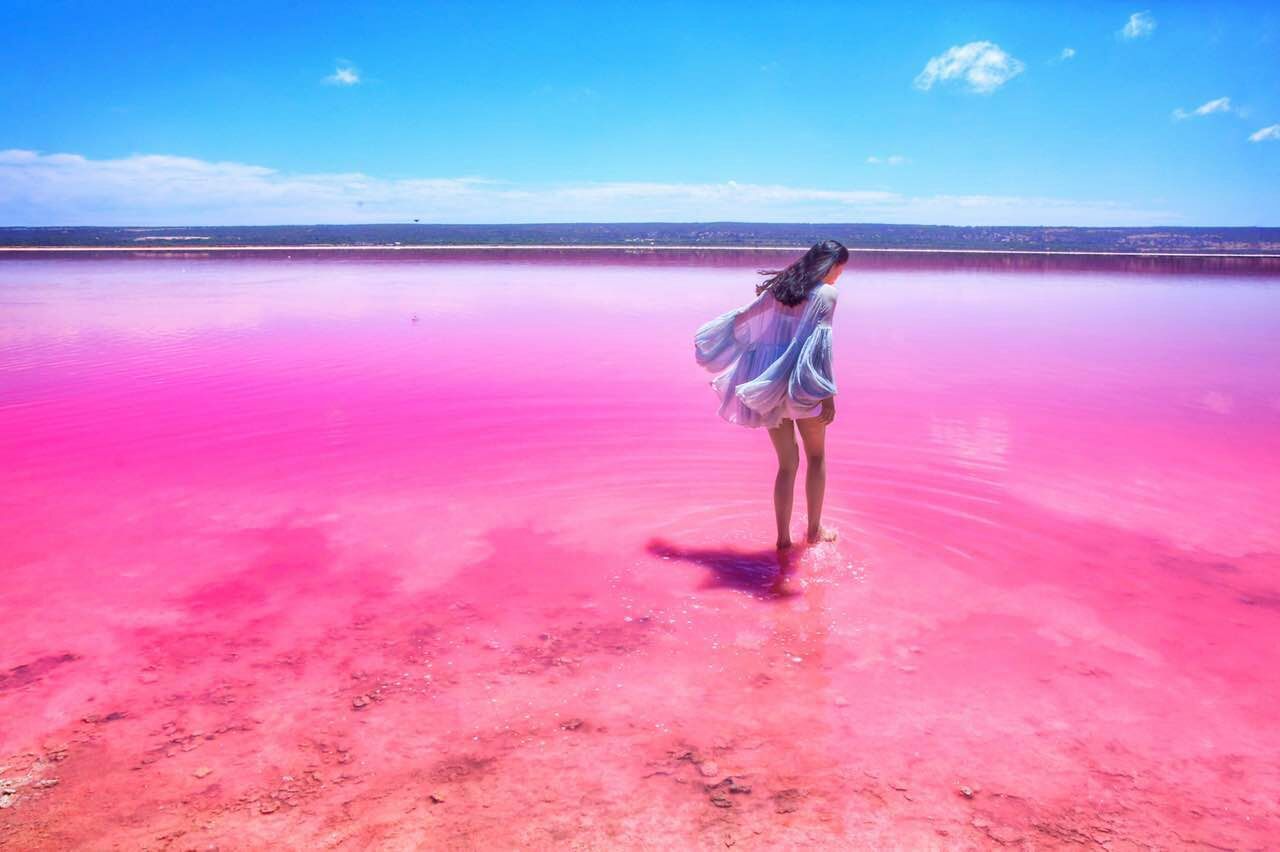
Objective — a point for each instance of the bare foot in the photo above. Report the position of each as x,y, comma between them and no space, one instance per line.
821,534
784,543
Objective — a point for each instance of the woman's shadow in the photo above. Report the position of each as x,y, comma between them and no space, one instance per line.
764,573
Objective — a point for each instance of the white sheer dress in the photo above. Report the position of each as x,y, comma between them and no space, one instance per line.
771,361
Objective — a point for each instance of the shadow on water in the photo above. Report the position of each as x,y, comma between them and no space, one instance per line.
763,573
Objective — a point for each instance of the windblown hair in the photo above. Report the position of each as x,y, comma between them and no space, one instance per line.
790,286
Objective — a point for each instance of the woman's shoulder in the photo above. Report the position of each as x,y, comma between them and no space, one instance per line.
825,292
825,298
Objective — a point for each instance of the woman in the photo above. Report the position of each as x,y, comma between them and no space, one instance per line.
772,360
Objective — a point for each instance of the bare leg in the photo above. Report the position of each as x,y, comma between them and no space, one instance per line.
814,434
784,485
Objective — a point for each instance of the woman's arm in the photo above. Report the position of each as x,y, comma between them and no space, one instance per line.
813,380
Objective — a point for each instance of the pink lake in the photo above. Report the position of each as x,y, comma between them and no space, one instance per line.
283,567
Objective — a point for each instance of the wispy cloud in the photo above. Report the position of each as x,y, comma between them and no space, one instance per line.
1270,133
344,75
1215,105
981,65
891,160
68,189
1139,25
1067,53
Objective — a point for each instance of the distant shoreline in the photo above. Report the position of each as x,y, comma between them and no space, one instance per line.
666,239
189,249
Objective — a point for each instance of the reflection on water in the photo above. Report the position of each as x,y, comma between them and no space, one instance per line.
450,550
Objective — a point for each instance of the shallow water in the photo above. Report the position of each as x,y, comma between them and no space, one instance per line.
450,551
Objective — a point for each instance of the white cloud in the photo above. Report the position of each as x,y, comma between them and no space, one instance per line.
343,75
1266,134
982,65
1215,105
68,189
1140,25
1067,53
891,160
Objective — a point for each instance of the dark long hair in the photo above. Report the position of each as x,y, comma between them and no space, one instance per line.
791,285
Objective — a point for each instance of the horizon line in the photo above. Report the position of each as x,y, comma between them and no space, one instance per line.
638,222
542,247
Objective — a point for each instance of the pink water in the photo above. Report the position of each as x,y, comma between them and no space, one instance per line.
282,567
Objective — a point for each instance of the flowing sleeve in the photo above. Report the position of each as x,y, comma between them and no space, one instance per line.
812,379
803,372
716,344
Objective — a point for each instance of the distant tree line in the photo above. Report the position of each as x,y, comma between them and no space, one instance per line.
639,234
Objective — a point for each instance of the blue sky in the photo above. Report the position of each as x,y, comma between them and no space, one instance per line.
983,113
